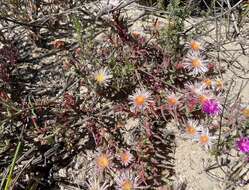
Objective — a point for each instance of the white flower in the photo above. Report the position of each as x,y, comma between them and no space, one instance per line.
245,110
103,160
195,46
208,83
205,139
125,157
192,129
95,184
195,64
140,100
172,101
219,85
103,76
194,89
126,181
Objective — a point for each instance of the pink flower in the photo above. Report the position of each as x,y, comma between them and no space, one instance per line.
243,144
125,158
211,107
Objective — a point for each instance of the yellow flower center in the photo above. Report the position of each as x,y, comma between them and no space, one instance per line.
208,82
139,100
127,185
246,112
196,63
195,46
100,78
172,101
103,161
191,130
125,157
202,98
204,139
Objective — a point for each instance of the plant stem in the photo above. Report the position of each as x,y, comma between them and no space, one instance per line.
9,179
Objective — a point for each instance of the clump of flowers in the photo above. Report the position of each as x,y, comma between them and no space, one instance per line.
199,134
179,87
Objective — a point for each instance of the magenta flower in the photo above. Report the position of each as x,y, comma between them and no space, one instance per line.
211,107
243,144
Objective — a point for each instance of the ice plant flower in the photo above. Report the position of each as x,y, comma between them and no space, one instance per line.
194,94
219,84
126,181
195,64
140,100
192,128
242,144
208,83
205,139
103,161
211,107
95,184
125,158
194,45
103,76
245,111
172,101
195,89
